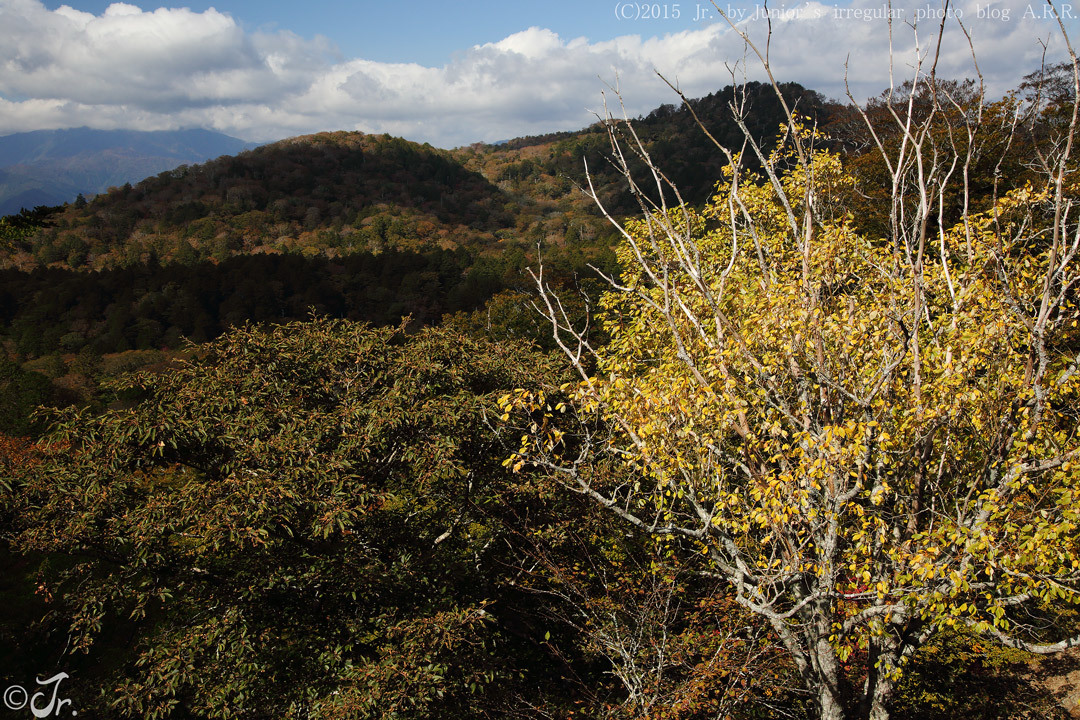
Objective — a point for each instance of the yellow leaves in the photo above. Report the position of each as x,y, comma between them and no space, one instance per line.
791,391
515,462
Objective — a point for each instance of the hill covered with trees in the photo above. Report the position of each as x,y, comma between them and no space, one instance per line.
330,193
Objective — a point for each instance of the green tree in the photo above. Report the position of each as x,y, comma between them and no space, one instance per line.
22,392
19,228
288,526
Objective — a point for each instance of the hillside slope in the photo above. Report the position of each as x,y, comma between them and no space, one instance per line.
342,192
331,192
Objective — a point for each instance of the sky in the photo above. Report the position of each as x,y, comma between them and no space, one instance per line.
454,73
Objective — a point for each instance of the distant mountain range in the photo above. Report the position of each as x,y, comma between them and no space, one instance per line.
51,167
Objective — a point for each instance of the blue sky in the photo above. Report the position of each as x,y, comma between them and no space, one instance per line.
456,73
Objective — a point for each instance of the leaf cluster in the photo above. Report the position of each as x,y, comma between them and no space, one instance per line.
288,523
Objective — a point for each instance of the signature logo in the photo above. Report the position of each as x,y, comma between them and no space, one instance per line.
17,697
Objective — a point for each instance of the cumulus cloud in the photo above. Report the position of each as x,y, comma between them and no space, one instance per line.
169,68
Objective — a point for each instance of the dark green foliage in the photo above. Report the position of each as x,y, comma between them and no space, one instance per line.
285,526
314,521
152,306
18,228
21,393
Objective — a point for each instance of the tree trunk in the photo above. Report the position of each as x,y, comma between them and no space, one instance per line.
829,706
876,700
827,670
878,685
878,711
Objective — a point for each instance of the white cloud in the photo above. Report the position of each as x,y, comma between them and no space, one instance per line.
534,43
173,67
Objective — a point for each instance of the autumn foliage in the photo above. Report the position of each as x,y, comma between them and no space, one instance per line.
872,438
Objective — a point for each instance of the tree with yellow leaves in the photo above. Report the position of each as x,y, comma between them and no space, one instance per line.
870,439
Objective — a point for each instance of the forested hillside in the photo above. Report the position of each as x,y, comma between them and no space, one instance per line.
338,193
331,193
671,134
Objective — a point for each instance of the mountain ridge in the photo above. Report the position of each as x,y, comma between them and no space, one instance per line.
51,167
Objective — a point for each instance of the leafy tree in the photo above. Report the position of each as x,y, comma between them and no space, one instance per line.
287,526
960,675
21,393
869,439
